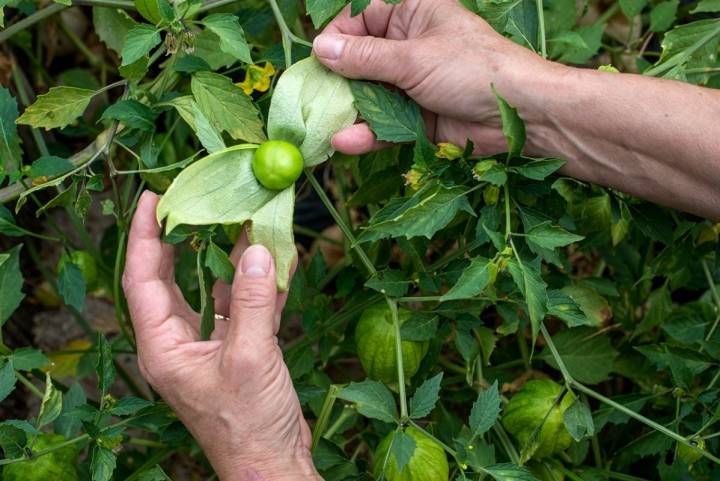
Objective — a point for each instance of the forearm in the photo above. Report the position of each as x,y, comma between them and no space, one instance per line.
656,139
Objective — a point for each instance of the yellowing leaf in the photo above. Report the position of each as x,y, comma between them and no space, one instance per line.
66,364
58,108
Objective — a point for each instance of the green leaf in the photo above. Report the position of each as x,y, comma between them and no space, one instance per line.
68,424
227,107
693,45
208,136
309,105
7,380
224,178
426,212
513,127
71,286
10,153
8,227
497,12
531,285
207,47
551,236
358,7
485,410
58,108
132,114
27,359
475,278
52,403
321,11
389,281
420,327
709,6
112,26
154,474
564,307
578,421
50,166
509,472
588,356
538,169
372,399
219,263
403,448
129,405
105,369
11,282
426,396
663,15
391,116
138,42
632,8
272,226
232,38
102,463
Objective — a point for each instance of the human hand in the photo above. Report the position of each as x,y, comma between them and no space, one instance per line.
445,58
233,392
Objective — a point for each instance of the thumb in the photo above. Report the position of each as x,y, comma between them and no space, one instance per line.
362,57
253,298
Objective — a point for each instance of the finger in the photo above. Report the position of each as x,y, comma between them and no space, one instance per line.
253,301
356,140
152,295
373,21
365,57
221,289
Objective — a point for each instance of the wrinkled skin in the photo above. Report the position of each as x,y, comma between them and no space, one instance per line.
233,392
407,45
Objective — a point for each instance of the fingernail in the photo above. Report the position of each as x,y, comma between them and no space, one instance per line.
255,261
329,46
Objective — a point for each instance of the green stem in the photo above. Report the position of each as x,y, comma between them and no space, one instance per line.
716,298
541,27
151,461
507,444
69,442
343,226
648,422
324,417
506,194
27,22
28,384
556,355
345,414
399,356
315,235
121,4
447,448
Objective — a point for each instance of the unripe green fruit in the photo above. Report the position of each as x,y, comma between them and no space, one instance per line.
87,265
688,454
60,465
277,164
375,340
527,409
428,462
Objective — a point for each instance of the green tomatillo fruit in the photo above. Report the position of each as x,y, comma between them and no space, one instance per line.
375,339
277,164
427,463
526,411
87,265
59,465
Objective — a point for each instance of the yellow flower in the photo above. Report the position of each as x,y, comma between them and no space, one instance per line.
448,151
257,78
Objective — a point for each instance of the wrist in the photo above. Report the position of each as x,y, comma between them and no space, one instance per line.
270,467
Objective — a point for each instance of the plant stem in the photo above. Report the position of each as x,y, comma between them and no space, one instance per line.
541,27
716,298
324,417
27,22
399,357
556,355
341,223
345,414
447,448
28,384
121,4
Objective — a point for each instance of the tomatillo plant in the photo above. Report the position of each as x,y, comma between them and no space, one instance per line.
452,316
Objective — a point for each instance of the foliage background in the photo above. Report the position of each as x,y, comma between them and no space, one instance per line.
613,298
